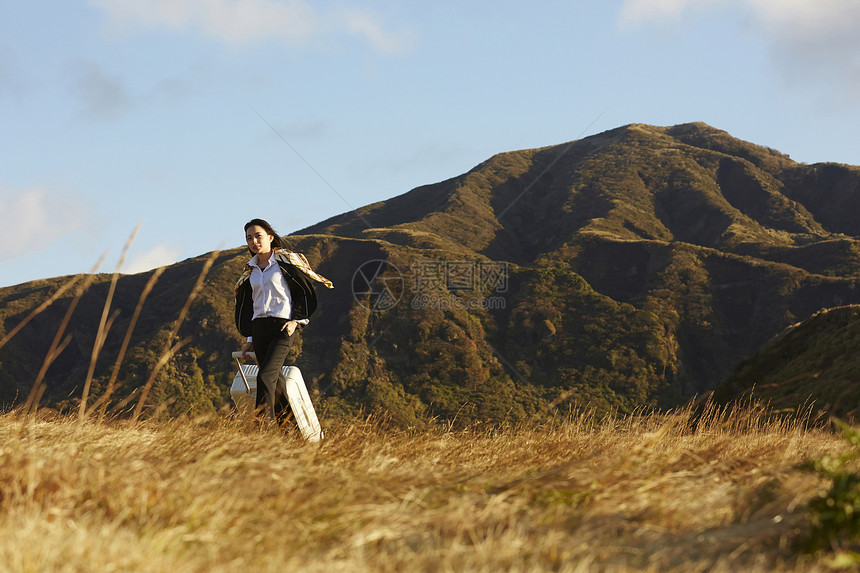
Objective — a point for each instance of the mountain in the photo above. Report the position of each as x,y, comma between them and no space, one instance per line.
634,268
813,364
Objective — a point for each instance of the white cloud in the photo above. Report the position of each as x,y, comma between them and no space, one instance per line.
790,18
236,21
33,218
798,18
633,11
812,44
815,45
227,20
158,256
366,25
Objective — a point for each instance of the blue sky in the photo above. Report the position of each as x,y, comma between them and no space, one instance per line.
120,112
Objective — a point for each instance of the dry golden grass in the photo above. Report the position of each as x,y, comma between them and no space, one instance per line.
636,493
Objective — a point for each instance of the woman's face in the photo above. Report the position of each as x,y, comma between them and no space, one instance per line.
259,241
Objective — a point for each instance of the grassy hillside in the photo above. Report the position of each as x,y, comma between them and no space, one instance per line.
214,494
649,261
814,363
634,268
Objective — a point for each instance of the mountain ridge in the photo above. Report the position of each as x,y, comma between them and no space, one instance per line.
641,265
462,188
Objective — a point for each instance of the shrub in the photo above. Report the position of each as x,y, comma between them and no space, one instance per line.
835,514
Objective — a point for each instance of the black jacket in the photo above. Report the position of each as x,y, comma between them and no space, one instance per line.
304,298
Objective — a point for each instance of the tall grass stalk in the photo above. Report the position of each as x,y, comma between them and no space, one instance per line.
58,343
169,348
102,402
104,325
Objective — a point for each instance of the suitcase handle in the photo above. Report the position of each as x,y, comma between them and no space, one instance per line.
238,357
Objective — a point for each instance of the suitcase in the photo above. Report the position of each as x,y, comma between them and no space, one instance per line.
244,394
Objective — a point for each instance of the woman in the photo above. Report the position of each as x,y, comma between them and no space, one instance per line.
273,296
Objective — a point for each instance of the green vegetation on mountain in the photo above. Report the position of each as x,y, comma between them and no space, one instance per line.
631,269
814,364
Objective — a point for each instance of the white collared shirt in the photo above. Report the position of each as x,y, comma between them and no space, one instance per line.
269,291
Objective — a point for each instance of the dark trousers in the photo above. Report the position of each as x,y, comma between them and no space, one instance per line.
271,345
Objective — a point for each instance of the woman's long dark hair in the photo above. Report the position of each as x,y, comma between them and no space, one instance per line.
277,241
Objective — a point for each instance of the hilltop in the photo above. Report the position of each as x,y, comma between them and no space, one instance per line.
634,268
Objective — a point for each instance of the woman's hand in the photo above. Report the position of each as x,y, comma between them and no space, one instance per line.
249,347
290,327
